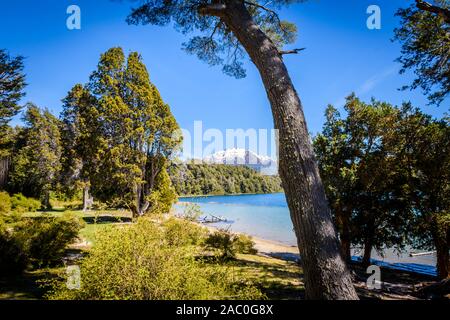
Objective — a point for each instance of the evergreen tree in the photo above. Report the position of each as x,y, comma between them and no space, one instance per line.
428,159
424,34
138,127
12,83
36,165
82,141
365,182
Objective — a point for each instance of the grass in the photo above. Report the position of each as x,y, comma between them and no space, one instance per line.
277,279
26,286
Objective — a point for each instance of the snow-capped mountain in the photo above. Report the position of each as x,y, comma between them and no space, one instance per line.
241,157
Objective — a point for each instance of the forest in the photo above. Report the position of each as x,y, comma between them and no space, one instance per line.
219,179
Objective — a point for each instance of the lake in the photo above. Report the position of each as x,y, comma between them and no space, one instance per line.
264,215
267,216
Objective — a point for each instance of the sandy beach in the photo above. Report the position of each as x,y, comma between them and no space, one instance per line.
269,248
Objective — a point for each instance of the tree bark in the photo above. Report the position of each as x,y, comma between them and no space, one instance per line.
86,199
343,222
368,247
46,203
325,272
346,249
443,258
141,204
4,170
440,11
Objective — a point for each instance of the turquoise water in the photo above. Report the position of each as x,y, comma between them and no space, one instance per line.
267,216
264,215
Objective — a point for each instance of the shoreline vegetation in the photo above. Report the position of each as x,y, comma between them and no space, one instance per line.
271,269
224,195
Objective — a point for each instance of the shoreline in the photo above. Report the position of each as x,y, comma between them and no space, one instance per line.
226,195
267,247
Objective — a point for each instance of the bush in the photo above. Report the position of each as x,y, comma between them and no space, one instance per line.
244,244
45,239
192,212
20,203
13,258
182,233
138,262
228,244
5,203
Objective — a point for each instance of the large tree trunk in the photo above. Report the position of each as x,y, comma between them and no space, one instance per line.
368,247
443,258
343,222
4,170
141,205
87,200
325,272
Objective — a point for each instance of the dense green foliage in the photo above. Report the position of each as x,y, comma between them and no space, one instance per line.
227,244
12,83
139,131
36,164
386,172
424,35
13,258
36,242
141,262
17,204
207,179
115,140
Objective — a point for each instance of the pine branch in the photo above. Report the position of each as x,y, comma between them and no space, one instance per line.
293,51
426,6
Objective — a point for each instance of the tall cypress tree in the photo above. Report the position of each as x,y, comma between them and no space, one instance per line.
138,127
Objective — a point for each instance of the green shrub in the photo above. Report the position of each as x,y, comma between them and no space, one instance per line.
182,233
227,244
20,203
13,258
221,241
244,244
45,238
5,203
192,211
138,262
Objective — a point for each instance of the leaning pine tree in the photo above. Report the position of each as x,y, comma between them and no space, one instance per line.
238,26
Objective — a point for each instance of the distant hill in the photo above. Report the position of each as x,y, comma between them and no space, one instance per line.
242,157
218,179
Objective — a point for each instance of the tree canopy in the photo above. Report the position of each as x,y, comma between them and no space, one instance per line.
425,37
12,83
385,169
213,42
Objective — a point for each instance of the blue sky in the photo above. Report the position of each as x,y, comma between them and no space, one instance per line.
342,56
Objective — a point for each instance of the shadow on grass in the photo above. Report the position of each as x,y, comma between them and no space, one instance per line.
277,279
26,286
107,220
